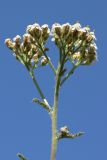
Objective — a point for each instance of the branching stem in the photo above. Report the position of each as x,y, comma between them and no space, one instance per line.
49,61
69,73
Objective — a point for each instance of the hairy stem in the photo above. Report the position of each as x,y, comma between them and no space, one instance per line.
54,118
54,112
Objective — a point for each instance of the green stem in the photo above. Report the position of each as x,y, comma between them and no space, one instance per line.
37,86
54,112
49,61
54,118
69,73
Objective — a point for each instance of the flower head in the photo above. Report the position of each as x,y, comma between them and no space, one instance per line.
28,49
76,40
76,43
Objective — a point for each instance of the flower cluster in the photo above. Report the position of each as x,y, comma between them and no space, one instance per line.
30,50
78,42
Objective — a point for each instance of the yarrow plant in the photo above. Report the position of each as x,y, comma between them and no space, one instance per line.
76,45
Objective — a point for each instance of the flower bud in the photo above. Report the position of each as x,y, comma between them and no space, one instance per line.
45,32
82,33
90,37
17,40
65,29
35,31
30,30
92,47
75,30
56,29
76,26
64,131
9,43
90,58
26,42
70,37
44,61
26,38
76,56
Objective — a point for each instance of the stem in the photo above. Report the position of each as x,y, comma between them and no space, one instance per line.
54,118
49,61
69,73
37,86
54,134
54,112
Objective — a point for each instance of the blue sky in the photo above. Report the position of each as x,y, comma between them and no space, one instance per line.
25,127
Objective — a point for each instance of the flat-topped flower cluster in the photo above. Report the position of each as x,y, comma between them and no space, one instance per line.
77,44
29,49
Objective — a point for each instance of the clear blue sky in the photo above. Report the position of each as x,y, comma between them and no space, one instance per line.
25,127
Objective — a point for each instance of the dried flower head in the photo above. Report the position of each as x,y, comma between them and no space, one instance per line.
76,41
30,48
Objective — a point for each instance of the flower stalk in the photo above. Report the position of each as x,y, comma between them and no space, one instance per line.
76,45
39,89
54,115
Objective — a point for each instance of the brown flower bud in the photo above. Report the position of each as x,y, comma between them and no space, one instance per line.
44,61
56,29
92,47
26,38
17,40
64,131
9,43
76,26
90,37
70,37
45,32
65,29
89,57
